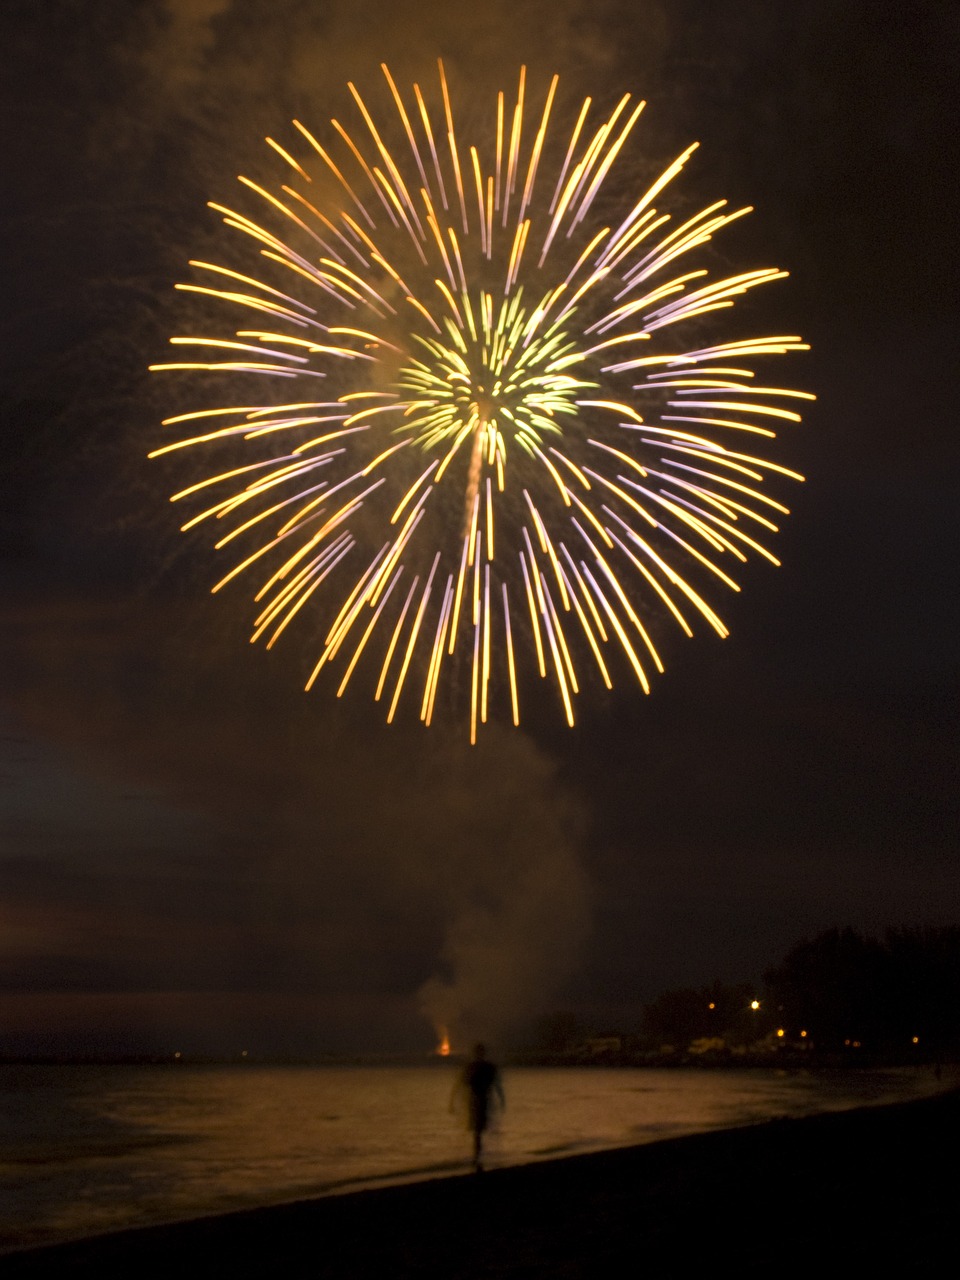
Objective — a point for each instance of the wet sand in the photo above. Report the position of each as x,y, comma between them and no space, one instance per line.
858,1189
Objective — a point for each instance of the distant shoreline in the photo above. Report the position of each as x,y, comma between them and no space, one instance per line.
855,1188
853,1060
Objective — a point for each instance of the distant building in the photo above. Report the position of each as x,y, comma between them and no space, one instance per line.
603,1044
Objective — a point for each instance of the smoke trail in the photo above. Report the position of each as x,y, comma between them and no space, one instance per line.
516,899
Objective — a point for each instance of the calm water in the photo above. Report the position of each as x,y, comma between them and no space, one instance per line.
91,1149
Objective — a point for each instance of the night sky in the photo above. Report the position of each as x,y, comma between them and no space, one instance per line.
196,855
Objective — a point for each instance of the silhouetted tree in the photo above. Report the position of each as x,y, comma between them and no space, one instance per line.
844,987
715,1012
559,1032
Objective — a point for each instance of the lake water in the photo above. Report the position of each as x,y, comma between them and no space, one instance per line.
87,1149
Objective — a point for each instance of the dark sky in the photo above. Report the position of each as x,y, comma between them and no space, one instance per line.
193,853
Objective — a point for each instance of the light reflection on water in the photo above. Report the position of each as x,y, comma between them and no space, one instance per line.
91,1149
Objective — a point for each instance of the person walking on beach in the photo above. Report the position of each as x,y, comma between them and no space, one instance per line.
478,1081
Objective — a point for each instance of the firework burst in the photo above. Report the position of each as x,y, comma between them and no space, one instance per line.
482,445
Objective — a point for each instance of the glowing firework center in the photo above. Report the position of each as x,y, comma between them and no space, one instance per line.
517,390
504,384
546,468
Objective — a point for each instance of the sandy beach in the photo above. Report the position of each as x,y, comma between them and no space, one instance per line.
858,1189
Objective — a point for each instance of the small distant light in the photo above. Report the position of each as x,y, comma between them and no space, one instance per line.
856,1044
711,1005
915,1040
243,1053
846,1042
803,1036
178,1054
754,1004
780,1032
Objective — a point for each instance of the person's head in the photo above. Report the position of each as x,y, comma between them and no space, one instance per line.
479,1050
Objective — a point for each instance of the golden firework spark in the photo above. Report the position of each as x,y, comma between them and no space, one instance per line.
496,443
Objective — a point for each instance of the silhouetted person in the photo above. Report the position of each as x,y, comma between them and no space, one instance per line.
479,1080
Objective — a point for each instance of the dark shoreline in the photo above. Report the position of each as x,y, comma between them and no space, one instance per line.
859,1188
